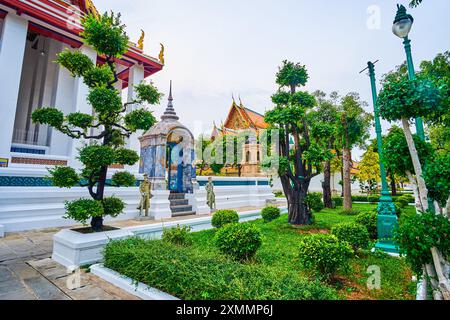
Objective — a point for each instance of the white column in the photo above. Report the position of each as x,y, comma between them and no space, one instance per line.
12,50
64,100
81,92
136,76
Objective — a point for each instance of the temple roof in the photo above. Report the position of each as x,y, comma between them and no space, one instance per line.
61,20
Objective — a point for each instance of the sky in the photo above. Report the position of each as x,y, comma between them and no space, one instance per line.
217,48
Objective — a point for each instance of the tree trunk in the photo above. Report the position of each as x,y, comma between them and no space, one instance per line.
393,185
413,182
423,191
346,183
299,213
326,186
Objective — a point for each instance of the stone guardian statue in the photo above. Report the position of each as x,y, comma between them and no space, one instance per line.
210,195
145,190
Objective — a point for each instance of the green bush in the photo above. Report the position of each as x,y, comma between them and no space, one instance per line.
369,220
63,177
350,212
223,217
324,254
179,235
278,194
270,213
191,274
402,202
417,234
408,197
354,233
240,241
315,202
373,199
398,209
113,206
337,202
83,209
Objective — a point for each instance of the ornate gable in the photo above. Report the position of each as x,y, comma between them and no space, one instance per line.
236,120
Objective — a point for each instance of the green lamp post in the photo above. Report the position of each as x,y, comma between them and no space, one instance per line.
402,26
387,217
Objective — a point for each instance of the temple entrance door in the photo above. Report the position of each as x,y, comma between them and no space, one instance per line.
175,157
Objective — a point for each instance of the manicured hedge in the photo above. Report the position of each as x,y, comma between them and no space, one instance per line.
191,274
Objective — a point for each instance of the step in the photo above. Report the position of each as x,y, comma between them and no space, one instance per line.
179,202
183,208
183,214
177,196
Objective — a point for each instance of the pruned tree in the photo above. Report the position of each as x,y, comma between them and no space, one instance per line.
353,130
369,171
112,122
299,164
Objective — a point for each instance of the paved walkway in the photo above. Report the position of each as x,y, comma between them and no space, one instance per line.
28,273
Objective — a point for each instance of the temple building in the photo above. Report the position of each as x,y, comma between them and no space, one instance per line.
242,119
32,33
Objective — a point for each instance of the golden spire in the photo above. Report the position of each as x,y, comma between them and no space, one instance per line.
90,7
141,40
161,54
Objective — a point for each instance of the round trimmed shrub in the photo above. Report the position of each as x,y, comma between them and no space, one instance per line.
270,213
315,202
180,236
354,234
337,202
224,217
113,206
83,209
373,199
402,202
324,253
370,221
398,209
240,241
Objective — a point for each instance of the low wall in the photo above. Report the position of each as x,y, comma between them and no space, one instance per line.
33,207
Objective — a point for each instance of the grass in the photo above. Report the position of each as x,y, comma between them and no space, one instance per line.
279,254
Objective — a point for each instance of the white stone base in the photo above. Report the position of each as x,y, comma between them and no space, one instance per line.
160,205
139,290
72,249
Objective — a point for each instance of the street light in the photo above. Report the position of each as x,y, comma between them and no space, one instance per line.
387,216
402,26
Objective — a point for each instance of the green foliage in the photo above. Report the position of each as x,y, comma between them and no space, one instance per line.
324,254
125,156
83,209
402,202
270,213
292,75
238,240
105,100
98,76
180,236
355,234
80,120
396,153
418,234
437,178
191,274
373,199
314,201
337,201
64,177
404,98
350,212
76,62
112,206
50,116
398,208
95,156
147,93
123,179
224,217
369,168
106,34
369,219
278,194
140,119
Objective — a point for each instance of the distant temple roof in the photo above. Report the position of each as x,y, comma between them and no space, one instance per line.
61,20
240,118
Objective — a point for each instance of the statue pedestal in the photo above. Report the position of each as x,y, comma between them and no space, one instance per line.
160,205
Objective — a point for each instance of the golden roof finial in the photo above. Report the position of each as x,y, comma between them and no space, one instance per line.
141,40
161,54
90,7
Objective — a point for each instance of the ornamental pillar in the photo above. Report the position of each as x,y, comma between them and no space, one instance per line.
12,51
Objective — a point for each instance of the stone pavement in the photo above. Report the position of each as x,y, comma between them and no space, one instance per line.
28,273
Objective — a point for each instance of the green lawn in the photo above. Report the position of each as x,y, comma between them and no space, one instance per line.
278,256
